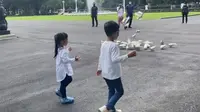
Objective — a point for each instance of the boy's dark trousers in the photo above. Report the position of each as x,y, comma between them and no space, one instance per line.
94,18
64,84
184,17
116,91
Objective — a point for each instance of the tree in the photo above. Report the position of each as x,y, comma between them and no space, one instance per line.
33,7
99,3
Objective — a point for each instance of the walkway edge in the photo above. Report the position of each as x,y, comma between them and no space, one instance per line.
7,37
178,16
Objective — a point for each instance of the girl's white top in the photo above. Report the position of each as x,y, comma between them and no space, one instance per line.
110,60
120,12
63,64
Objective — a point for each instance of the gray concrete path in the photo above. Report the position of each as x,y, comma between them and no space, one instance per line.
160,81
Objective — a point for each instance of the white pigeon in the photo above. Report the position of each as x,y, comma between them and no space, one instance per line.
137,31
152,48
162,42
118,41
146,46
132,45
138,47
124,42
172,45
128,40
130,48
149,43
134,36
118,44
122,46
163,47
134,42
140,41
127,47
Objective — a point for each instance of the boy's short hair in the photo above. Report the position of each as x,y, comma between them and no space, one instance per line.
111,27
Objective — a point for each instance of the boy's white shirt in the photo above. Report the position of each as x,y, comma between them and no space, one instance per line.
63,64
110,60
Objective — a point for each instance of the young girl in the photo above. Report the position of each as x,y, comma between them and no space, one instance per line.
120,12
64,69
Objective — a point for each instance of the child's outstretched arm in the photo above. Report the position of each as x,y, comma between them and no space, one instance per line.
116,58
66,59
99,64
115,55
99,69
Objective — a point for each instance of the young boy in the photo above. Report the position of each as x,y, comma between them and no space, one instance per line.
110,66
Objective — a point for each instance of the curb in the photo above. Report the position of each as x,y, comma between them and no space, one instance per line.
86,14
7,37
179,16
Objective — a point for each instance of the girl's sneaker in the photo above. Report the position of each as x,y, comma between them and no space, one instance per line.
66,101
59,95
118,110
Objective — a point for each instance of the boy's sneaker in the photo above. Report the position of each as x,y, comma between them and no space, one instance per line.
59,95
104,109
66,101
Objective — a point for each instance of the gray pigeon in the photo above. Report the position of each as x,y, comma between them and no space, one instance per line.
162,42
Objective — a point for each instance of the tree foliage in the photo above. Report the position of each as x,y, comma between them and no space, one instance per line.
35,7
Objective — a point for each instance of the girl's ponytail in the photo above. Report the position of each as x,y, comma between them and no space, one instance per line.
56,45
58,38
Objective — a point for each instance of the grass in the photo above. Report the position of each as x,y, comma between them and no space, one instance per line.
147,16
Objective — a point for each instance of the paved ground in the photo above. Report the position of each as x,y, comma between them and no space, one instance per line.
163,81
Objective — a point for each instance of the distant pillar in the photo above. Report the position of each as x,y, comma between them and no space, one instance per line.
146,7
3,22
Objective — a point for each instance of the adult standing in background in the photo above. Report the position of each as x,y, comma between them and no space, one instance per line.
185,11
129,11
94,12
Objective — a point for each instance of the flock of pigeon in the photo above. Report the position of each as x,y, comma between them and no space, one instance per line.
133,44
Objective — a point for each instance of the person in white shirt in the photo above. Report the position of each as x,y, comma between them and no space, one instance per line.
110,66
120,13
64,69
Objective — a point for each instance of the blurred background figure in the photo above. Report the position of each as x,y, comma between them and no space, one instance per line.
94,12
129,11
185,11
120,13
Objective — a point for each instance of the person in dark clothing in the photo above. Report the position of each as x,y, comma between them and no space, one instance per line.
129,11
94,12
185,12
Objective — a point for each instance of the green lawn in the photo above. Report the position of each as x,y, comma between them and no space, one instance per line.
147,16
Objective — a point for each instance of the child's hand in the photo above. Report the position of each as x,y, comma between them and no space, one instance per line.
77,58
99,72
69,48
132,54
